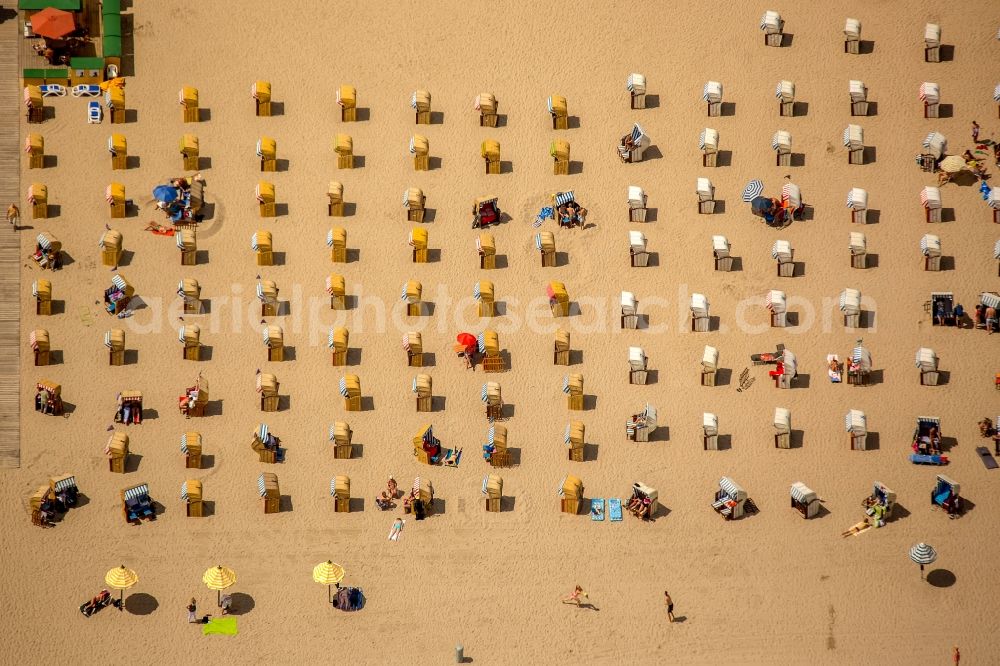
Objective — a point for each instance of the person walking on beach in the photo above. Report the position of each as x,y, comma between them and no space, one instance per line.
574,598
975,132
192,611
13,215
669,603
956,656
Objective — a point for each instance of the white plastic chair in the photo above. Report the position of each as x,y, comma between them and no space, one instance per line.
94,113
84,90
52,90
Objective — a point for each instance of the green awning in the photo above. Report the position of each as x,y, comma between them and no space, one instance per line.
56,74
34,74
112,25
111,7
86,63
33,5
112,46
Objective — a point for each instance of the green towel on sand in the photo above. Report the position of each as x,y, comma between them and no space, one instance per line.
221,625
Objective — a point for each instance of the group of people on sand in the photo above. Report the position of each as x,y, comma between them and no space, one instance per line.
572,214
975,164
988,430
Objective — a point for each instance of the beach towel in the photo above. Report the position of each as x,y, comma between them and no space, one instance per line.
923,459
988,460
834,376
225,626
597,509
543,215
615,509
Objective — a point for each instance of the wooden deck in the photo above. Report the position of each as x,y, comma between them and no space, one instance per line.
10,266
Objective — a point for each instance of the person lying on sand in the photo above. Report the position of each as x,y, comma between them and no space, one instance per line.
857,529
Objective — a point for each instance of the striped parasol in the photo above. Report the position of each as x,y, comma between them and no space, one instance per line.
752,190
121,578
219,578
952,164
923,554
328,573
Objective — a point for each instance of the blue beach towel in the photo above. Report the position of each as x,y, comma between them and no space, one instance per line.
543,215
597,509
615,509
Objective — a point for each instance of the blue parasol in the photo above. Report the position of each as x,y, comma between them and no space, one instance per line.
752,190
760,205
165,193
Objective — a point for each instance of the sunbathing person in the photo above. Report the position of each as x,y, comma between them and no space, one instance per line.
856,529
392,487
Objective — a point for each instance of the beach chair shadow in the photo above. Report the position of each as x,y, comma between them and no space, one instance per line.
866,47
800,108
132,462
590,452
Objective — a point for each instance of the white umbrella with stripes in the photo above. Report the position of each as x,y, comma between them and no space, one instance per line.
923,554
752,190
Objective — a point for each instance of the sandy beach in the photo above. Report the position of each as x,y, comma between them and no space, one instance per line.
769,588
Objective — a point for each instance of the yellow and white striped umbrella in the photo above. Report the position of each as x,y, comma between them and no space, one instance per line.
121,578
328,573
219,578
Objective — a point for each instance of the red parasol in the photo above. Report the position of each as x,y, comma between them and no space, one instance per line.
465,341
53,23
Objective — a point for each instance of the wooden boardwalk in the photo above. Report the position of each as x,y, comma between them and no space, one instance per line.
11,110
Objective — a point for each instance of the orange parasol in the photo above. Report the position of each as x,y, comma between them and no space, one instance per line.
53,23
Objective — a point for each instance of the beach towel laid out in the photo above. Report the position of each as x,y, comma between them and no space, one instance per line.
544,214
988,460
395,537
597,509
615,509
834,376
225,626
923,459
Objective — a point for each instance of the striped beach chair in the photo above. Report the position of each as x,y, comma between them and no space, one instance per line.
343,145
189,291
859,250
264,193
637,366
483,292
933,146
700,321
488,344
420,101
411,294
559,112
932,42
114,340
114,100
188,99
930,94
860,368
486,104
858,92
187,242
191,447
341,436
721,253
710,431
493,492
629,311
189,335
636,204
927,363
930,247
489,150
420,149
337,342
708,144
545,243
709,366
266,445
423,388
706,196
335,194
785,93
267,294
111,248
783,253
414,202
260,92
573,388
930,199
340,490
857,202
575,439
269,491
34,147
347,99
274,342
852,36
118,148
782,423
558,299
267,386
850,305
777,305
38,342
486,248
711,93
772,25
263,247
336,240
413,345
192,494
336,287
639,427
560,350
41,291
35,105
492,399
781,144
267,151
638,254
854,141
633,145
190,152
350,388
635,84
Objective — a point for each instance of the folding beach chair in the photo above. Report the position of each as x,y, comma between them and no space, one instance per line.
94,112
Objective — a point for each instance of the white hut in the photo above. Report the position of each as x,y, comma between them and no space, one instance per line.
860,368
854,141
772,25
927,362
932,150
635,84
785,92
777,305
996,255
706,196
633,145
858,92
930,247
932,42
712,93
782,428
640,426
636,204
638,254
730,499
781,143
721,252
930,199
804,500
699,313
852,36
930,94
708,144
859,250
857,201
787,370
637,362
850,305
630,310
856,424
710,431
993,201
709,365
782,252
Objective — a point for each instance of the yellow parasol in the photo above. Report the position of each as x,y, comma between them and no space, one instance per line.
328,573
219,578
121,578
952,164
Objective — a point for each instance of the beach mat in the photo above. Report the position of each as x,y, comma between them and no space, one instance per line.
615,509
597,509
225,626
988,460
